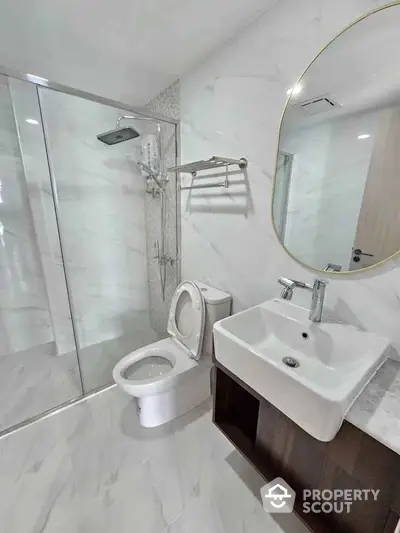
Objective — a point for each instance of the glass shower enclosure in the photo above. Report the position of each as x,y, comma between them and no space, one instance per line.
80,284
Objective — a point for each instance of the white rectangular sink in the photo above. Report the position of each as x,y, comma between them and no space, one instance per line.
335,362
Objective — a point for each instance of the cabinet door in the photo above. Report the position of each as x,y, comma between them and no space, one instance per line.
393,523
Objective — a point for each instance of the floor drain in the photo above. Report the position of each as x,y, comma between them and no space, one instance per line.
290,361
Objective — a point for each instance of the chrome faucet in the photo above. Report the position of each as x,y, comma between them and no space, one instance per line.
317,299
334,267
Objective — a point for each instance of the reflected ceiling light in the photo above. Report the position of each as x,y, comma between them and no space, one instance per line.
31,121
293,91
36,79
364,136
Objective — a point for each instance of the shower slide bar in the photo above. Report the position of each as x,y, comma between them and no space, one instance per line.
213,163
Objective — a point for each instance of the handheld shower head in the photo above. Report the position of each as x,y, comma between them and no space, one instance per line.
118,135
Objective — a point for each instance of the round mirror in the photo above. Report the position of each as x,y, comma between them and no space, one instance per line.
336,202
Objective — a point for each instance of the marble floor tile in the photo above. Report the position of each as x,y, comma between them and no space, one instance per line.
92,468
35,380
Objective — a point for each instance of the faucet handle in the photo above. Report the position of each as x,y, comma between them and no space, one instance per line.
288,286
288,283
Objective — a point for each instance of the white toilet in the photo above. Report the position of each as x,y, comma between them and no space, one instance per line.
171,376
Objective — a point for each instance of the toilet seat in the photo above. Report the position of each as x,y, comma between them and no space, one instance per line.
186,318
152,367
186,324
139,386
167,349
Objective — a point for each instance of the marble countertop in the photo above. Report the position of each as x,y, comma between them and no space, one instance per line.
377,410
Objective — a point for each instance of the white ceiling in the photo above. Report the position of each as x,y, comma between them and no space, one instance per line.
360,70
127,50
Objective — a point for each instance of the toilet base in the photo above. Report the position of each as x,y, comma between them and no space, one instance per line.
158,409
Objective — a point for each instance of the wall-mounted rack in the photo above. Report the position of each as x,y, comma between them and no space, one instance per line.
214,163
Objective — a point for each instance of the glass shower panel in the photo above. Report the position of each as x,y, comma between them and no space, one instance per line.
101,208
34,376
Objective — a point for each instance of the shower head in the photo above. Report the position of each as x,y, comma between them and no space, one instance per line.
124,134
118,135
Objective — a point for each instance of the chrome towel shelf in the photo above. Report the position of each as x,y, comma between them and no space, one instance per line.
213,163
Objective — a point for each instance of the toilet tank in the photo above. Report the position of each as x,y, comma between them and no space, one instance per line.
218,306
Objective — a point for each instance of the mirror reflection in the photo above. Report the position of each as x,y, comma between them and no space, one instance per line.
336,203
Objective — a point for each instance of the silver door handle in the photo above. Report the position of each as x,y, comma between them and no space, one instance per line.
156,250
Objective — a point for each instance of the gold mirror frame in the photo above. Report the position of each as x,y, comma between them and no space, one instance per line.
308,267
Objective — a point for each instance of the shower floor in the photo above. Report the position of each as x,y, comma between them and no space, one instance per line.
35,380
92,468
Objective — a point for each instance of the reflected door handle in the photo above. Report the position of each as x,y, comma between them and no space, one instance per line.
357,251
156,250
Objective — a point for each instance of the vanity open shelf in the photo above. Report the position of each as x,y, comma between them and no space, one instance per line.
277,447
236,412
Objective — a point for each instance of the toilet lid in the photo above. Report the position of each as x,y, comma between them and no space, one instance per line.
187,317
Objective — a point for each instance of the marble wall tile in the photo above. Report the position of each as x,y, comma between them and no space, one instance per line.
231,105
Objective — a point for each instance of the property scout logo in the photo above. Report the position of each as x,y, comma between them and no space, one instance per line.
278,497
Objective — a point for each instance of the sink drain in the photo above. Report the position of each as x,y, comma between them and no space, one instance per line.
290,361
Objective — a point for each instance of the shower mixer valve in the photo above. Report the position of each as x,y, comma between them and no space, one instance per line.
155,192
162,258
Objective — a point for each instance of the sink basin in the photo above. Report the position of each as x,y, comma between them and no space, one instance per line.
333,362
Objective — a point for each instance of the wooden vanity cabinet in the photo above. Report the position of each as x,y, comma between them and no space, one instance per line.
277,447
393,523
